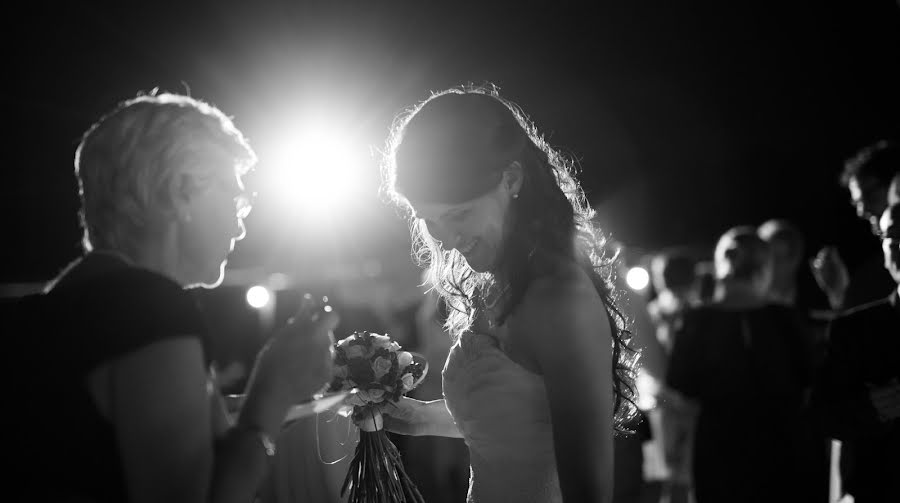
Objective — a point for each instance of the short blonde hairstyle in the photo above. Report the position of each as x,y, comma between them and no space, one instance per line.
133,160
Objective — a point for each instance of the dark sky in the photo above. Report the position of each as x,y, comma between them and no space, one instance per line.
686,117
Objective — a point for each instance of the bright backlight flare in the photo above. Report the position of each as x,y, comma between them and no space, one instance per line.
315,170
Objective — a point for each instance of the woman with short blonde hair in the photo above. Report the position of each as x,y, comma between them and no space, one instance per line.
123,348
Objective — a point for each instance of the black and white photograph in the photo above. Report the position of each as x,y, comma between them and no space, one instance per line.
397,251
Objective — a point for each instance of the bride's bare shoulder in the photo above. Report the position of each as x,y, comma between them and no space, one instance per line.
561,281
561,316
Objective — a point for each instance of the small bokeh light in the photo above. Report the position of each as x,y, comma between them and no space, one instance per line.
638,278
258,296
647,388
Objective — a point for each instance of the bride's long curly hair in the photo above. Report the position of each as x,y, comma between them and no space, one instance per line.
454,146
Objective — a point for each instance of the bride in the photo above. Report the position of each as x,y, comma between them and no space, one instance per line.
540,374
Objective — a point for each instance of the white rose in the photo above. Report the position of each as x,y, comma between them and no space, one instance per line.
355,351
407,381
381,367
354,400
404,358
376,395
381,341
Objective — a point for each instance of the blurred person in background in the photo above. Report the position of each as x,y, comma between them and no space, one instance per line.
707,283
673,274
675,281
120,401
858,392
867,176
793,286
792,281
894,191
741,367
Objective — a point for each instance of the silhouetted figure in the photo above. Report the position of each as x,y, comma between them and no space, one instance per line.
119,405
858,393
867,176
742,364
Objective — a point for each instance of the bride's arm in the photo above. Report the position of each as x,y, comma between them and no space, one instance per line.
563,327
418,418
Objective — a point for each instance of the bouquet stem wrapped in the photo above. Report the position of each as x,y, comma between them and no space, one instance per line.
375,367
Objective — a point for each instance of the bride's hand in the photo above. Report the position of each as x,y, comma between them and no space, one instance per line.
405,410
403,417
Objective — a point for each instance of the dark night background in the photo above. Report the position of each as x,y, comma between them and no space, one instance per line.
686,117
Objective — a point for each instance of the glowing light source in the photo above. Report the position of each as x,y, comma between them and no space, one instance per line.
315,168
637,278
258,296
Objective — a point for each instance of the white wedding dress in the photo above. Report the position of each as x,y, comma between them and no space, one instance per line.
502,411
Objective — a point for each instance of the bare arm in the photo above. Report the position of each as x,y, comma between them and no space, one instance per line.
294,364
418,418
564,328
159,404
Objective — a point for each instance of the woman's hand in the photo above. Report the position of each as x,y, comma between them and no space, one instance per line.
292,366
403,417
414,417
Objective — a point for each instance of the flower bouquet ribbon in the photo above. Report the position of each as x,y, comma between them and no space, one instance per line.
375,367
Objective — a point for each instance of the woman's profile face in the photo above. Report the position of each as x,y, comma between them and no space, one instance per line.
474,228
215,224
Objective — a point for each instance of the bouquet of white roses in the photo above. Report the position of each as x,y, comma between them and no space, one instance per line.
378,370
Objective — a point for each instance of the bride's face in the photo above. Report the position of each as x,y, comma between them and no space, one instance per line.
474,228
